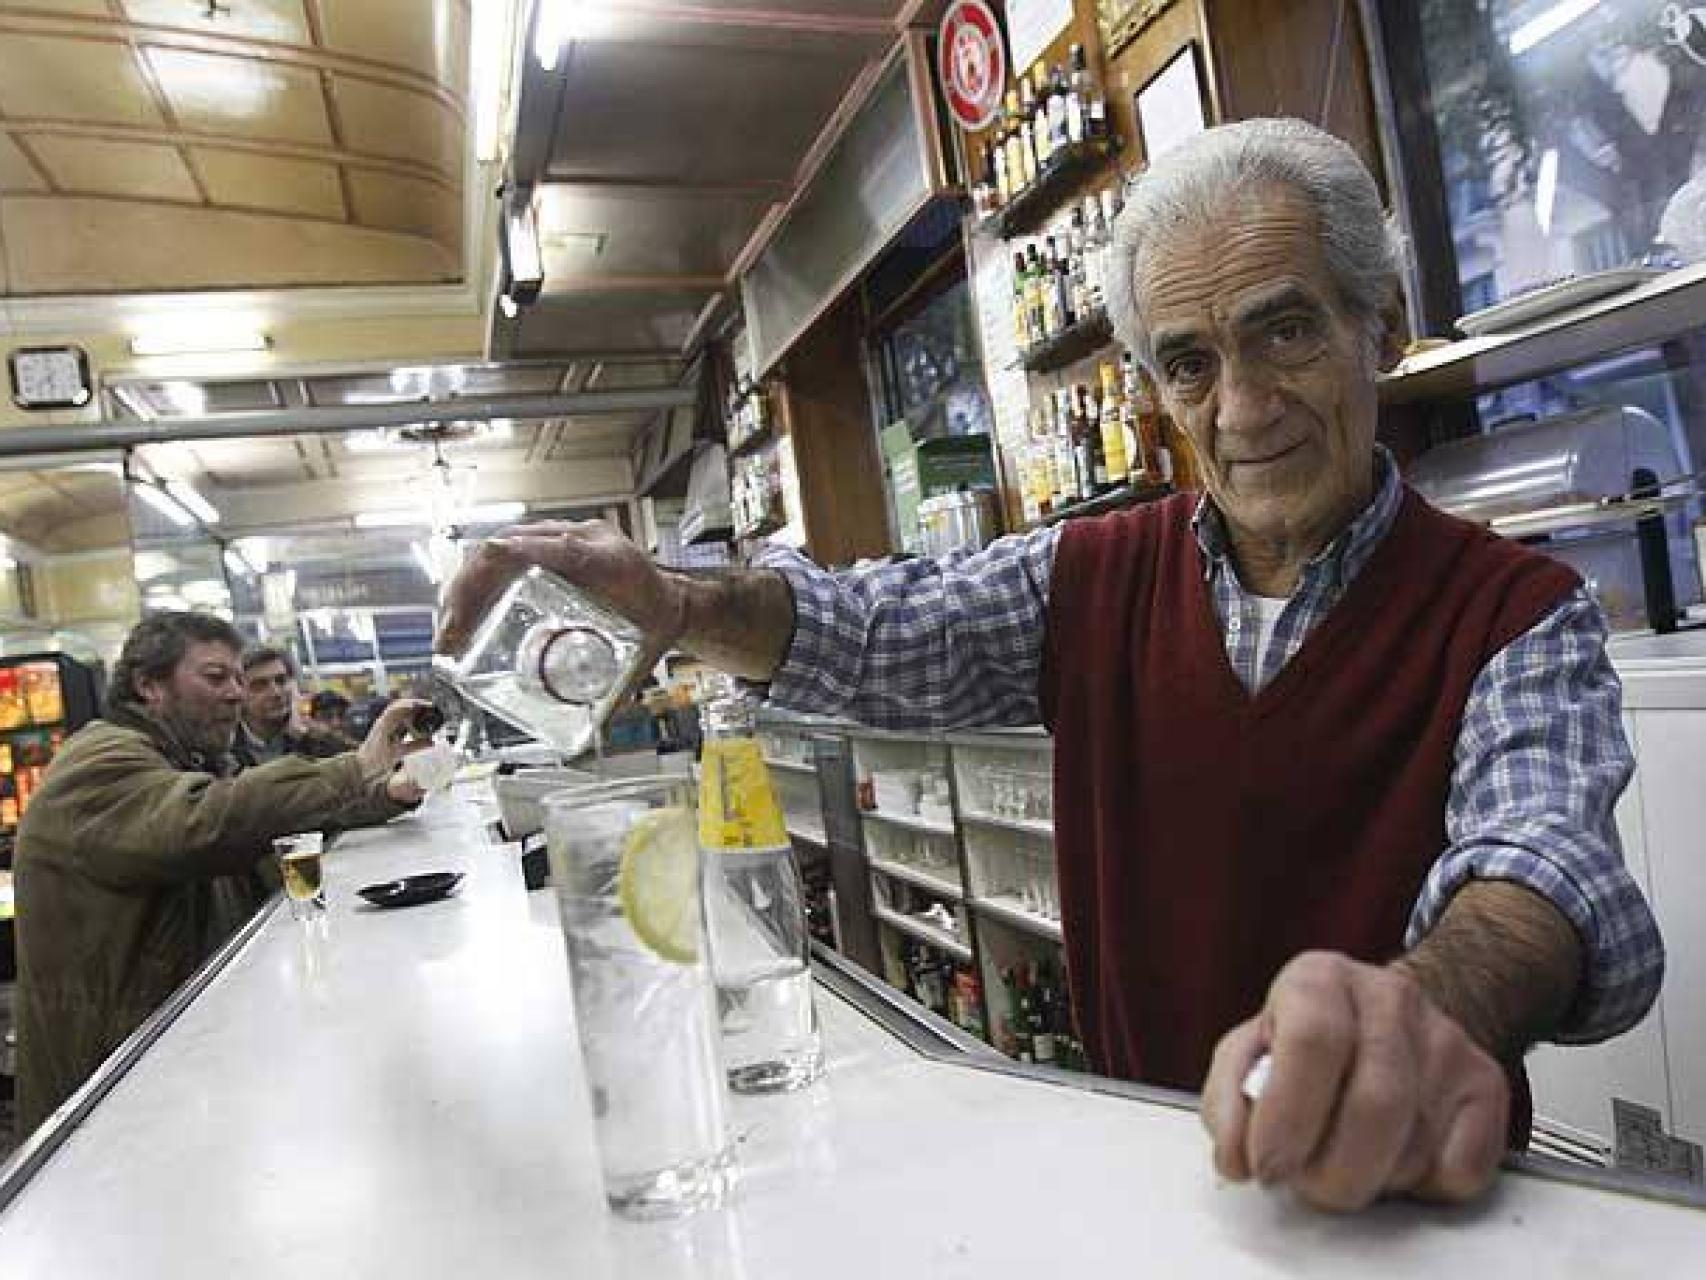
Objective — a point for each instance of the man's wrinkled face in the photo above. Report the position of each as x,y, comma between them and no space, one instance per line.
203,699
270,693
1264,368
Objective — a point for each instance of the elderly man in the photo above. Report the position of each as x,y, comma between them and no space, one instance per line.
271,725
1334,772
139,854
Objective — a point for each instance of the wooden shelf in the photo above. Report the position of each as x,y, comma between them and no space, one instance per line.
1008,910
1660,309
1127,495
1029,209
910,822
923,932
923,879
1092,334
1027,826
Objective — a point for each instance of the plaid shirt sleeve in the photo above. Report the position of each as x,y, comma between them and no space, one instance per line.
1541,759
919,644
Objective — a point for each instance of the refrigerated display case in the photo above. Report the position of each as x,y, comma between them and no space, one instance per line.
44,699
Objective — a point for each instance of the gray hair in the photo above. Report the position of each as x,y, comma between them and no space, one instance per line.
1222,167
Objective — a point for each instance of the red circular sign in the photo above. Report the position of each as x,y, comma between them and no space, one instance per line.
971,63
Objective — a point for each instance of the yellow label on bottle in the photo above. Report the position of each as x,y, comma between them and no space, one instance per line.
737,804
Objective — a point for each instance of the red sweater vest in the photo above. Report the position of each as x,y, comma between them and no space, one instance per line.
1204,835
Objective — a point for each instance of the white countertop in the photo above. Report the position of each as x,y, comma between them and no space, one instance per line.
406,1101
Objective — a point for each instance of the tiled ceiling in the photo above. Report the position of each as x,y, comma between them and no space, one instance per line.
150,145
665,147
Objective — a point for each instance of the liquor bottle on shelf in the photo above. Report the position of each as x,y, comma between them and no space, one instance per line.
1098,245
1036,304
1095,106
1002,174
983,190
1078,260
1021,302
1042,135
1077,108
1042,1019
1058,95
1017,1021
1157,459
1028,128
1110,424
1018,168
1094,461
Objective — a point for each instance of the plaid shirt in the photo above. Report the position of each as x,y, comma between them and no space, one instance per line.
1540,759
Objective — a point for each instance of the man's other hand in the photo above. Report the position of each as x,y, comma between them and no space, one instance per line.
388,741
1373,1090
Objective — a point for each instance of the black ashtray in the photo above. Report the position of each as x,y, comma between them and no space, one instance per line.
410,890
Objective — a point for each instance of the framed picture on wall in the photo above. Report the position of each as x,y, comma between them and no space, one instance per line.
1170,105
1119,22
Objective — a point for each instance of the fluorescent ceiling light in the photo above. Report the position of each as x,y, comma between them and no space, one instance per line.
1546,190
1548,24
209,339
164,504
167,600
186,398
192,501
239,564
509,306
205,591
7,559
376,441
521,254
420,517
489,58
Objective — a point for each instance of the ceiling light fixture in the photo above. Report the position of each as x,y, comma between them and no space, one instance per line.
163,502
1548,24
187,497
235,562
1546,190
212,338
420,517
509,306
524,264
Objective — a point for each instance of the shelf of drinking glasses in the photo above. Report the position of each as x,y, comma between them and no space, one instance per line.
1010,910
1042,828
789,766
923,932
911,822
926,880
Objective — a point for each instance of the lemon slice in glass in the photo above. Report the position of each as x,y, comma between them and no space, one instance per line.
657,884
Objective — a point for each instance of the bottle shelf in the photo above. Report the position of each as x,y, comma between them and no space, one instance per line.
925,880
923,932
1126,495
1012,912
1092,334
1029,209
1026,826
910,822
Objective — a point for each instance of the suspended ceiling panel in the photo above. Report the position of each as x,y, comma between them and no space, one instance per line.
63,510
665,148
655,320
291,142
694,112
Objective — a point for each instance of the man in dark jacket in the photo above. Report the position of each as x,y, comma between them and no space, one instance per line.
271,725
139,855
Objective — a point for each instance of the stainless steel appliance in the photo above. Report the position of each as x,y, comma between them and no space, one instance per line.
968,520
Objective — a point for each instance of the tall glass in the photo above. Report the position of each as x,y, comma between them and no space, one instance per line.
300,867
625,868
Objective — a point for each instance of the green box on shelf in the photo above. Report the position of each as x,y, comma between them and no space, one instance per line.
924,468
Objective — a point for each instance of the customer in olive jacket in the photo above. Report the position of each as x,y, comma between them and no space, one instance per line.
142,851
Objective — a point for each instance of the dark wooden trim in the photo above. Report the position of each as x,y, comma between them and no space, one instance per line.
1417,183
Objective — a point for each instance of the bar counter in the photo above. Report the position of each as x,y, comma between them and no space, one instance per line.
402,1097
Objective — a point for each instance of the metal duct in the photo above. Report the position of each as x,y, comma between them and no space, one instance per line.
128,434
